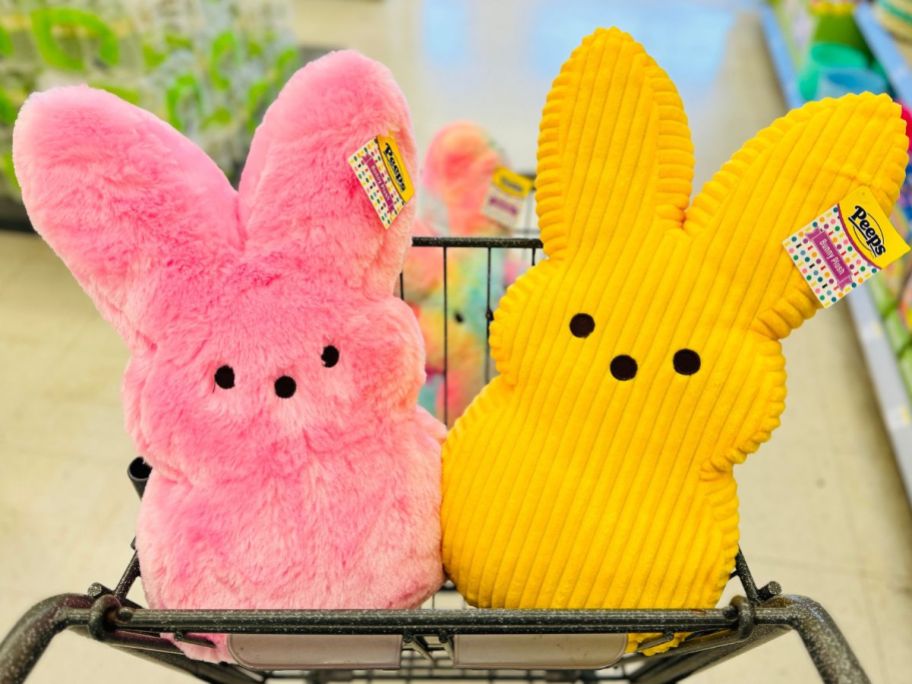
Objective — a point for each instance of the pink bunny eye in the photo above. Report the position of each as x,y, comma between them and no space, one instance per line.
285,387
224,377
330,356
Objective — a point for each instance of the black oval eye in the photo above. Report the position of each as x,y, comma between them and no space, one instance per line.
458,317
224,377
623,367
582,325
686,361
330,356
285,387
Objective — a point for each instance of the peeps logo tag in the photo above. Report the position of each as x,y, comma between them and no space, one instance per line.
379,167
395,167
506,197
867,231
844,246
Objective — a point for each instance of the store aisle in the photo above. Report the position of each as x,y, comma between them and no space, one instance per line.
822,508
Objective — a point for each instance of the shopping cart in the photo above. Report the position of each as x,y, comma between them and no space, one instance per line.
447,640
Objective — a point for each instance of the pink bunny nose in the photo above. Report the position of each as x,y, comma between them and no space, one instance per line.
285,386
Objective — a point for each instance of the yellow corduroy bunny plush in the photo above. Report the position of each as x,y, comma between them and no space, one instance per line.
641,360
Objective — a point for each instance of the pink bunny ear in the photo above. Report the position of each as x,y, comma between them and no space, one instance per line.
120,195
298,194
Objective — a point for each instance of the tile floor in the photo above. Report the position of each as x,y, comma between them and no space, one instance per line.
822,506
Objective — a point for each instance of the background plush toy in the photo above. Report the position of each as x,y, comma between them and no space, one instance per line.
274,376
455,178
466,329
642,361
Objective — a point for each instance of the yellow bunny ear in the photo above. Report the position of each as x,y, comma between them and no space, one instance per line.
779,181
614,149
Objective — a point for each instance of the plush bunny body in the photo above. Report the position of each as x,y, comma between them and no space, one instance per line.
455,178
341,514
273,377
642,361
463,359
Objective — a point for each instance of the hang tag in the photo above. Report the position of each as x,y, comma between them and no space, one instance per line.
844,246
506,197
381,171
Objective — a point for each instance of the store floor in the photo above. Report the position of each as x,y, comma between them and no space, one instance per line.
822,507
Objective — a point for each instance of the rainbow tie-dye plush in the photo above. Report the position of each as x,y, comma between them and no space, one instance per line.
455,178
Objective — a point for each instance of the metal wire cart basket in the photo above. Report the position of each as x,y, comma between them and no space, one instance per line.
446,641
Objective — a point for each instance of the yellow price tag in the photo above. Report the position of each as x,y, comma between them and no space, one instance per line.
392,159
870,230
511,182
382,173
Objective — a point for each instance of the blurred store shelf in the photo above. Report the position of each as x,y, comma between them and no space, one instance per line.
881,359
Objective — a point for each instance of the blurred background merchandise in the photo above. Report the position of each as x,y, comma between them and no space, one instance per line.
209,67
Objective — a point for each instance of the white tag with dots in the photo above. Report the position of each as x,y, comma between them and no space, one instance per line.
506,197
844,246
381,171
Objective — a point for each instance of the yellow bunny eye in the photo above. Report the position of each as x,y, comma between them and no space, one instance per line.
582,325
623,367
686,361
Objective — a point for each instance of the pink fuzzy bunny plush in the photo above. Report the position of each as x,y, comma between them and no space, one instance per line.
273,377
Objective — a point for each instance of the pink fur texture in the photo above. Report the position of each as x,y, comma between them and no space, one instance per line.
324,499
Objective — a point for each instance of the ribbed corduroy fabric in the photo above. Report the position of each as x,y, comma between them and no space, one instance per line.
565,487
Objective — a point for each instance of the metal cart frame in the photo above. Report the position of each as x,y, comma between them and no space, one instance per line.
752,619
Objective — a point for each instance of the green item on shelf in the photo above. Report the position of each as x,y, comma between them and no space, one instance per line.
131,95
256,102
219,117
254,48
826,56
287,61
152,57
209,67
262,90
77,24
839,27
184,95
884,300
176,42
897,332
8,172
6,43
893,277
224,58
8,109
15,24
905,368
